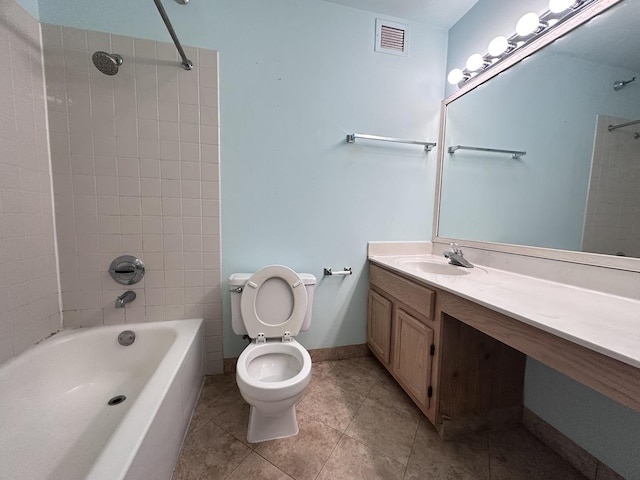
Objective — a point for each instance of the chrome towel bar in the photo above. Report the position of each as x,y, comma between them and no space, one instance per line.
351,138
514,153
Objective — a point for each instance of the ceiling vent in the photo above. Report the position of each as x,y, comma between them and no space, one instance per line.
392,38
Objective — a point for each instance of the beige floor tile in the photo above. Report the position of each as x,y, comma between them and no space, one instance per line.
255,467
219,392
331,403
389,431
235,420
352,460
387,392
463,459
356,375
515,454
303,455
209,453
320,369
384,431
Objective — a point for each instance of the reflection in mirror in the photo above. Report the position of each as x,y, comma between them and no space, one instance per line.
577,187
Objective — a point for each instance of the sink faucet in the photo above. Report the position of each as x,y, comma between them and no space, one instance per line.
456,257
125,298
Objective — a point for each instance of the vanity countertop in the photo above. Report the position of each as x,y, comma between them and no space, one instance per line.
605,323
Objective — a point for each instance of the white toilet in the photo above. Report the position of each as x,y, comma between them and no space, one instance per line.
271,306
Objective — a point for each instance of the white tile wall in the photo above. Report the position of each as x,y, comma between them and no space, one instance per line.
136,171
29,301
612,222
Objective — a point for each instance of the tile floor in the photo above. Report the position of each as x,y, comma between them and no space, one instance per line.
355,423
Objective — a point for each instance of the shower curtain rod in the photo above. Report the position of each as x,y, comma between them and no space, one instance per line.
615,127
186,63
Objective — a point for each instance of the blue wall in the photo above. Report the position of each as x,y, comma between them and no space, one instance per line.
295,77
606,429
30,6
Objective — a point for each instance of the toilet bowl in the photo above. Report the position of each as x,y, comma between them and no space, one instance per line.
271,306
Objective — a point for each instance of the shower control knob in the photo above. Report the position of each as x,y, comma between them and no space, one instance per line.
127,270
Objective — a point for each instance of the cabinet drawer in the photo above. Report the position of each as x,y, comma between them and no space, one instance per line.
411,294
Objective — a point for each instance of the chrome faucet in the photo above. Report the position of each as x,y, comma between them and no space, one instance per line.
456,257
125,298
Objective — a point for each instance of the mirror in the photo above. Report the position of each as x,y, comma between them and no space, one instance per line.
577,186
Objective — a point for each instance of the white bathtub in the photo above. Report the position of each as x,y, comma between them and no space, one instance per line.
55,422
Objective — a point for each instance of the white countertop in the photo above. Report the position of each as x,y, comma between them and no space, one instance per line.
607,324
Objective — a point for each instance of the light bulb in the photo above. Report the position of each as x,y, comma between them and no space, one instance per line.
455,76
475,62
557,6
498,46
527,24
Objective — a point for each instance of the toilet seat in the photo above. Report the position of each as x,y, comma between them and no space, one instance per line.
255,326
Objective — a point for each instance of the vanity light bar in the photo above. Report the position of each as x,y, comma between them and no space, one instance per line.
528,28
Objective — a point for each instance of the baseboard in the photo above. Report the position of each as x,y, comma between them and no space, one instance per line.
453,428
578,457
317,355
339,353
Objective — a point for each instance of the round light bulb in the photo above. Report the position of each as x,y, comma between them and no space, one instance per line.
475,62
527,24
498,46
455,76
557,6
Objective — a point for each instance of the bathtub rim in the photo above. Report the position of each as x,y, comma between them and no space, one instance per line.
141,414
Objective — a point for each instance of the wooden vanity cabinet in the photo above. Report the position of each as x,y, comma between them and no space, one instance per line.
400,333
412,365
461,378
379,326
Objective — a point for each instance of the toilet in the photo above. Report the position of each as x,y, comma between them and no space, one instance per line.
272,306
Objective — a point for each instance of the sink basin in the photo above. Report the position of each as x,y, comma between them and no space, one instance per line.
425,266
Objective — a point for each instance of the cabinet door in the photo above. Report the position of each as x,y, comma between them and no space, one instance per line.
412,355
379,326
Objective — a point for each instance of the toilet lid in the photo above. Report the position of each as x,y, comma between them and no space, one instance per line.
269,313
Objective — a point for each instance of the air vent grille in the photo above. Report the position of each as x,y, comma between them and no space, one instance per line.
392,38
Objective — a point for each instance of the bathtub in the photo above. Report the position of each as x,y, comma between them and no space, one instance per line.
55,420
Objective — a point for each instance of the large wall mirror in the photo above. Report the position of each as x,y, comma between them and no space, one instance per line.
575,194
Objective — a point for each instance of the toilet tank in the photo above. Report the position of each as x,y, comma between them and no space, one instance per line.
238,280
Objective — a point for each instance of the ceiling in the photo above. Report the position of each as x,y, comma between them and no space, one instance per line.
438,13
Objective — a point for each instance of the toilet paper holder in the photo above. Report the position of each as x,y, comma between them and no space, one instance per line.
345,271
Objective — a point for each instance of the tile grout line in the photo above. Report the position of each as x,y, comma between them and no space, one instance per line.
413,443
329,456
238,466
276,466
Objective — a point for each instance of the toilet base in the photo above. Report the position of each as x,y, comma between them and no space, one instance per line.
263,427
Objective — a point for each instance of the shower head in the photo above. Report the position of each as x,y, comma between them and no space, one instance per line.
107,63
618,84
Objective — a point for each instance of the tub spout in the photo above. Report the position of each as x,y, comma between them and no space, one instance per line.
125,298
